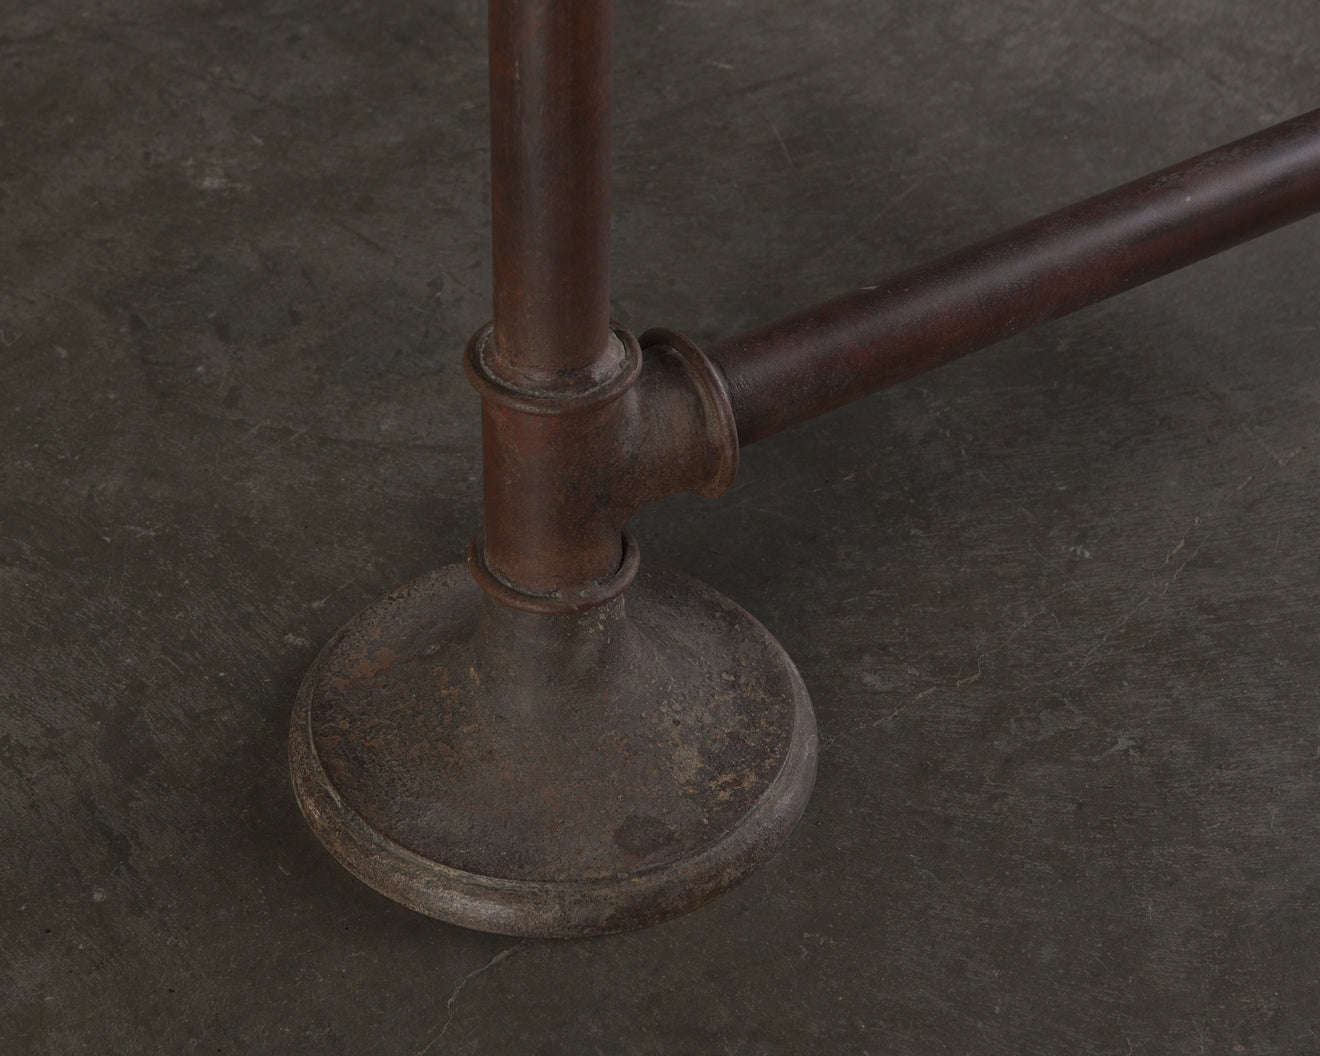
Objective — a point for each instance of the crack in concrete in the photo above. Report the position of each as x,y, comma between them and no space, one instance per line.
503,955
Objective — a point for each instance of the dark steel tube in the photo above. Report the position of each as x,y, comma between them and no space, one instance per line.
551,353
550,82
815,360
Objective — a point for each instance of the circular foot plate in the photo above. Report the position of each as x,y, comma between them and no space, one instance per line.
552,775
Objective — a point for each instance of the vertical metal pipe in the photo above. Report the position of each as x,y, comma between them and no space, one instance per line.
550,366
550,66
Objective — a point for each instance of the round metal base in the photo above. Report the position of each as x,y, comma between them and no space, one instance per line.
552,775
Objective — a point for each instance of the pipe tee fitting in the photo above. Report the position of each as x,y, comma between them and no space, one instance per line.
564,472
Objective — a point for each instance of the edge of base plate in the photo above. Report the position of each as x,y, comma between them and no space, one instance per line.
559,908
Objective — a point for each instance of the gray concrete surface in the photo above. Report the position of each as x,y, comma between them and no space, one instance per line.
1056,604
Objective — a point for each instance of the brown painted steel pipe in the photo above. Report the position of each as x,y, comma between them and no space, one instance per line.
808,363
550,80
550,369
581,425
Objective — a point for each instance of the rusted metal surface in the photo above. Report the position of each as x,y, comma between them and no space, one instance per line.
528,749
817,359
553,775
579,430
550,80
565,742
563,474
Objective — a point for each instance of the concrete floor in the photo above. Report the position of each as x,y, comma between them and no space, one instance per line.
1057,604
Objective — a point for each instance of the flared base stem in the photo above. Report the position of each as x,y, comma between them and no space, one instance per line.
552,775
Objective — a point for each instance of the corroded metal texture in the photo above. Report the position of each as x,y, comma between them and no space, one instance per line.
530,749
550,79
563,742
562,474
817,359
579,429
553,775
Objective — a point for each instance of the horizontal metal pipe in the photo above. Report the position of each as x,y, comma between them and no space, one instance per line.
817,359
